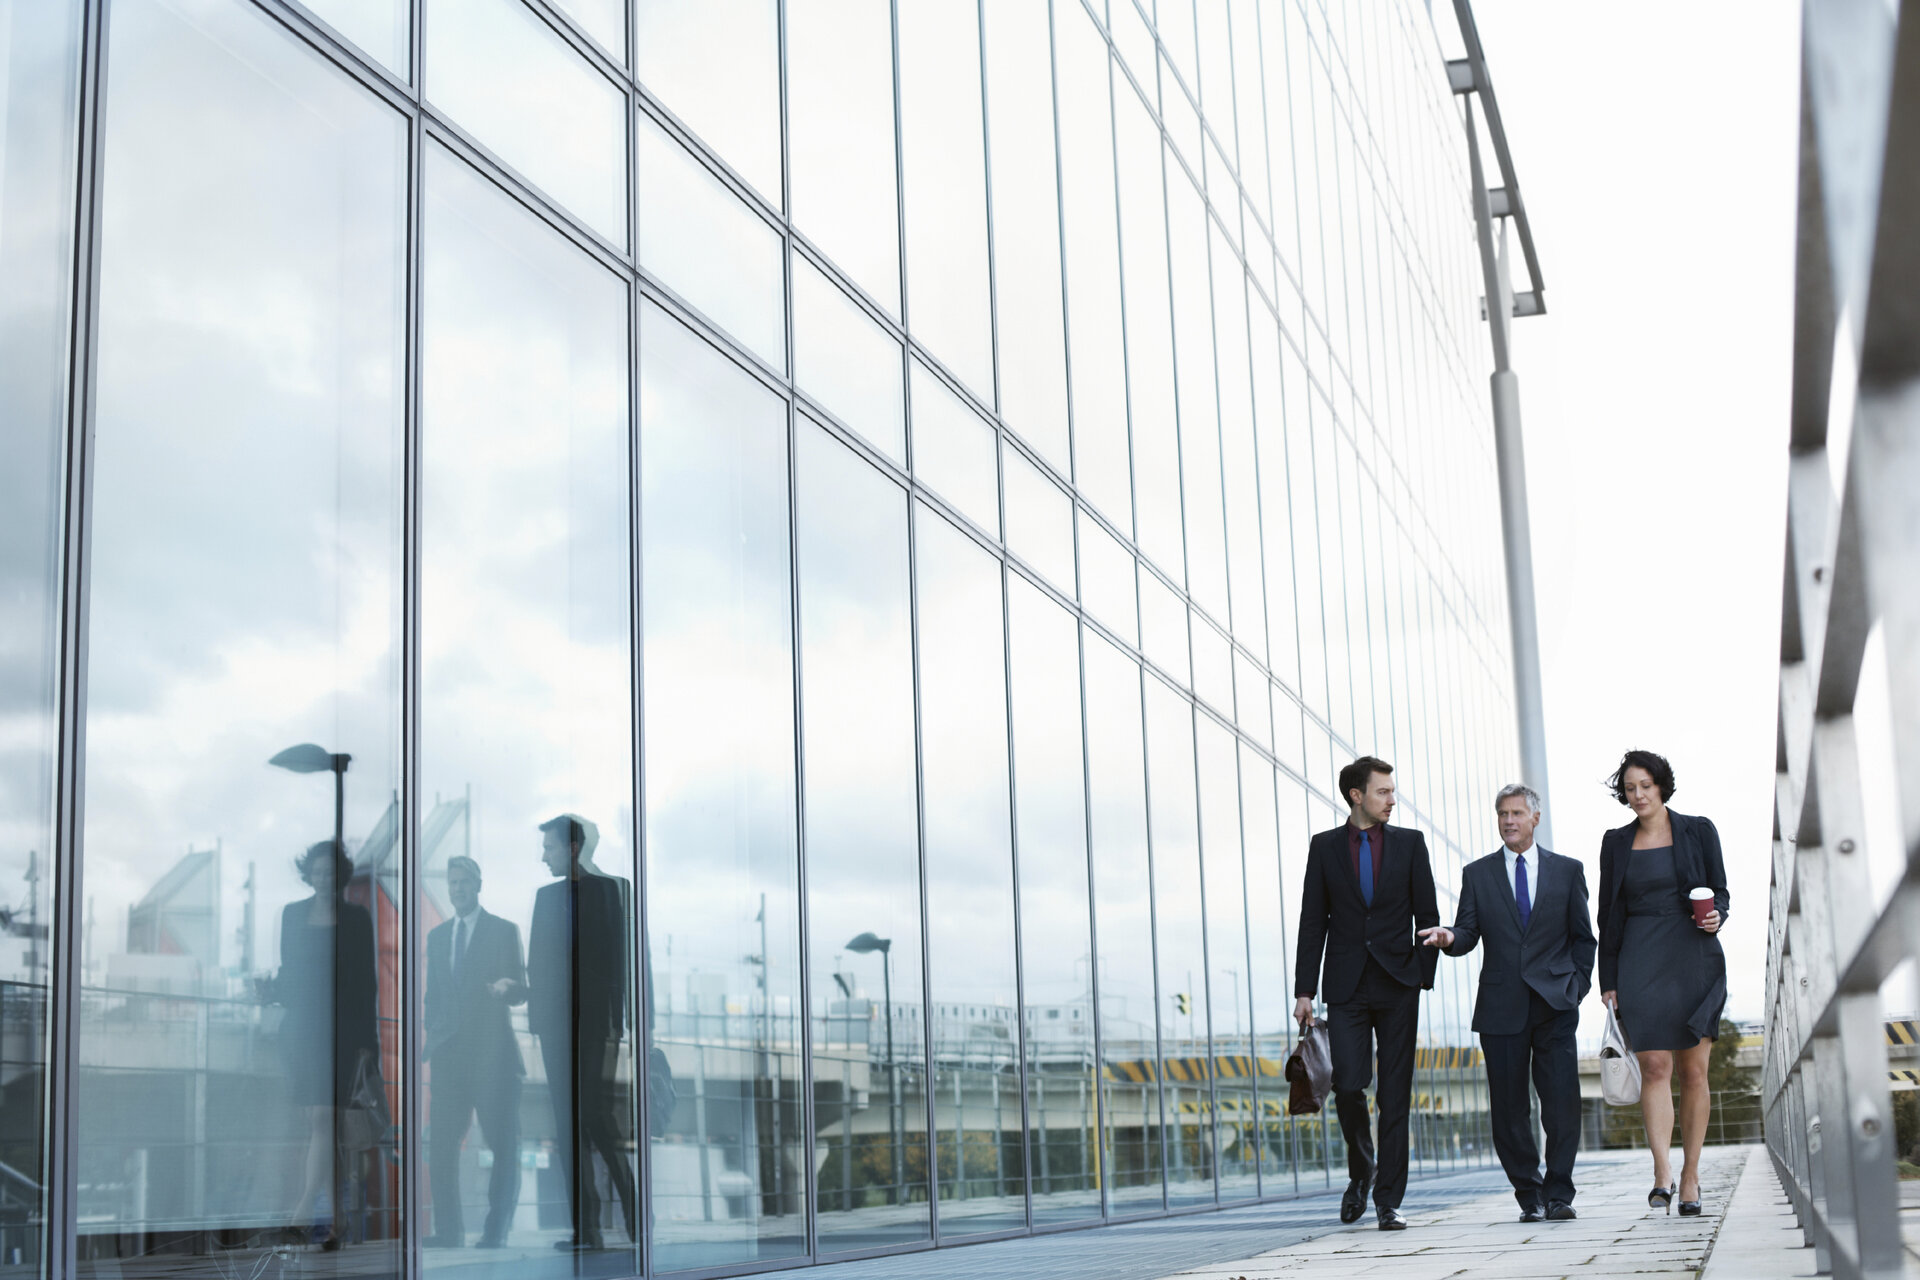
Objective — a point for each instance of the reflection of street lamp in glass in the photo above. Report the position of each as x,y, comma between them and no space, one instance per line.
307,758
866,944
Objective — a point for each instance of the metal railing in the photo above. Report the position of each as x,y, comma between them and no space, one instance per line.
1852,562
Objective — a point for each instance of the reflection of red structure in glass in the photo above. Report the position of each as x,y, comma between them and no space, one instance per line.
372,892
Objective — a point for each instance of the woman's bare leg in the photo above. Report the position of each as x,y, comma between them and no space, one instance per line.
1656,1108
1696,1104
318,1170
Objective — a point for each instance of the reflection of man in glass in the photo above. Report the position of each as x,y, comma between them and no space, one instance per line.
328,1033
577,1004
474,973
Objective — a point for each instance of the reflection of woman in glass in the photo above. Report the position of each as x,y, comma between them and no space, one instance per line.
327,984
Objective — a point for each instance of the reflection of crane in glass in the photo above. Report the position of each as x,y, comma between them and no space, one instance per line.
31,928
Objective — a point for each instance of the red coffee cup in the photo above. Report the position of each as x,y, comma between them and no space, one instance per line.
1702,905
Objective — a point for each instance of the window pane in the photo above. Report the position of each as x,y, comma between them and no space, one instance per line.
1026,226
604,20
379,27
1270,986
1180,946
1212,665
716,64
862,851
963,744
1056,949
1100,462
1252,711
1238,470
722,877
1199,403
708,247
1283,635
1163,629
1123,913
508,79
38,108
840,138
944,169
1149,329
245,600
1106,580
1227,980
953,450
1039,518
847,362
526,733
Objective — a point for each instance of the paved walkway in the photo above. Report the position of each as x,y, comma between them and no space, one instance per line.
1746,1233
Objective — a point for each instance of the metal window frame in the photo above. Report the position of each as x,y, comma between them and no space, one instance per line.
1852,554
427,126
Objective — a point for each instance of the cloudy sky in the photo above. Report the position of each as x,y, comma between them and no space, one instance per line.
1655,145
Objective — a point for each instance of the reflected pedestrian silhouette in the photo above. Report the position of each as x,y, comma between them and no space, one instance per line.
475,974
328,1036
577,1004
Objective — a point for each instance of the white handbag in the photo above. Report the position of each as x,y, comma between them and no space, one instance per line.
1619,1069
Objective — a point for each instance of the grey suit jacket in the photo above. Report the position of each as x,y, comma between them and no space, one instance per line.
1553,955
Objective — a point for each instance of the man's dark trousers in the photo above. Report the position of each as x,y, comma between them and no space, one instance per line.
1385,1011
463,1086
1546,1051
586,1121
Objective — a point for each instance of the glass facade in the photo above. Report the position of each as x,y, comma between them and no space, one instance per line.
677,636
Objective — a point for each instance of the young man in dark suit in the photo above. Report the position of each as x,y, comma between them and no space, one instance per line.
578,954
1368,887
474,975
1529,905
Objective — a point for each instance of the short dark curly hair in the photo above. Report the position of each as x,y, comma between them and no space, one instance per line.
318,854
1656,765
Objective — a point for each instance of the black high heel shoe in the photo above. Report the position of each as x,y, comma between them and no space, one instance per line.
1689,1208
1662,1198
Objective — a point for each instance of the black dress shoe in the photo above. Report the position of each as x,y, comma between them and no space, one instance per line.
1560,1211
1354,1202
1530,1215
1392,1219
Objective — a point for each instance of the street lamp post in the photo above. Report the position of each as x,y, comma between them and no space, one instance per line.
865,944
308,758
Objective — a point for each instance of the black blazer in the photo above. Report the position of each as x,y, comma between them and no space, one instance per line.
577,978
464,1018
1335,918
1552,955
1696,858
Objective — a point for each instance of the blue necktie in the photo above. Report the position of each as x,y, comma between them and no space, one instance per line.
1521,897
1366,870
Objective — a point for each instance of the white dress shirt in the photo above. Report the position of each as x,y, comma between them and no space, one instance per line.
462,925
1532,854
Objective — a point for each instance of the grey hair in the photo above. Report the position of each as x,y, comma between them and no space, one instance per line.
1513,789
461,862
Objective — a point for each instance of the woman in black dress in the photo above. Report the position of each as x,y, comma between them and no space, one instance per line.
1664,974
327,984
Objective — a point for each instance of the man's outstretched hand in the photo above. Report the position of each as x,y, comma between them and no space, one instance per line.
1438,936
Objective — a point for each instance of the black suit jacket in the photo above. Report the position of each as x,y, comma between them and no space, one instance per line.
1334,917
1696,860
464,1019
577,978
1552,955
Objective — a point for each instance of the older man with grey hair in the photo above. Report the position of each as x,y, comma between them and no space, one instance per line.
1529,905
